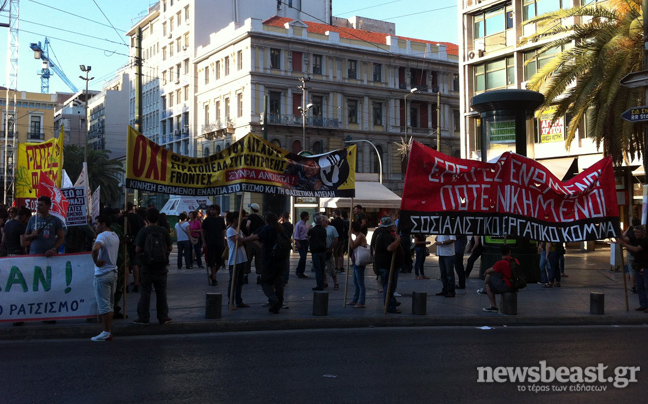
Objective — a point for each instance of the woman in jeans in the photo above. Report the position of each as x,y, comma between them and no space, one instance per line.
420,245
358,301
195,226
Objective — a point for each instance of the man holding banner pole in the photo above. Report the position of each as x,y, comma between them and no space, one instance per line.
44,232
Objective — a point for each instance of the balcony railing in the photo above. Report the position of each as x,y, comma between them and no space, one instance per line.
296,120
35,136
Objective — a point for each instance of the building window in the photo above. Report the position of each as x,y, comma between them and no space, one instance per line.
178,69
352,107
377,72
186,93
171,99
455,82
178,18
218,69
275,58
534,62
186,40
377,113
164,53
352,70
178,45
164,77
239,102
227,109
35,127
206,74
318,102
186,67
164,29
207,114
171,49
217,110
493,21
456,118
494,75
317,64
297,61
171,25
226,64
239,60
533,8
171,75
275,102
186,12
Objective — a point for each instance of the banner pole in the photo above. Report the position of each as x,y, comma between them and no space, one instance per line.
389,283
126,257
346,282
238,230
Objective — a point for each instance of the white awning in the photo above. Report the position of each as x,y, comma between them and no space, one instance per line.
369,195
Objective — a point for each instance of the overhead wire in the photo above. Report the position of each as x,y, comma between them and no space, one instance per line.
72,14
111,24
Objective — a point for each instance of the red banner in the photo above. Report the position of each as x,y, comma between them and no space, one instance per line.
516,196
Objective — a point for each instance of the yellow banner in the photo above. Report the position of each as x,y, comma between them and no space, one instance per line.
249,165
34,158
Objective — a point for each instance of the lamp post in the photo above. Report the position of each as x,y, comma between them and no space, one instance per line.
377,154
304,109
412,91
86,70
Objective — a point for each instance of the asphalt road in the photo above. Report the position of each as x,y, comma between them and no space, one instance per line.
373,365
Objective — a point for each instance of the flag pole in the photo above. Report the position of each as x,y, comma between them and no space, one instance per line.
236,245
389,283
346,283
126,257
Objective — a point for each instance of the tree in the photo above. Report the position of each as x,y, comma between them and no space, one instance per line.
600,48
102,171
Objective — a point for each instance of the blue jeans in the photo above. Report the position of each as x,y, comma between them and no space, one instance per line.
197,248
184,250
384,276
641,281
303,254
319,260
446,266
420,261
544,267
554,269
358,283
238,283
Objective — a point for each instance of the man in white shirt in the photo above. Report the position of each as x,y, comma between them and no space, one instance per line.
446,253
104,255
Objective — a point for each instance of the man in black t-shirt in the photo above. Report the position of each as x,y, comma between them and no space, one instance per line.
639,246
361,217
213,238
13,229
317,242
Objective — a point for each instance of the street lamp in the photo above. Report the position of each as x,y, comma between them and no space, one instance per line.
86,70
412,91
348,140
304,109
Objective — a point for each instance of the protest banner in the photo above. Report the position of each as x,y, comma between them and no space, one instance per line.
96,203
32,160
34,287
516,196
251,164
59,206
76,211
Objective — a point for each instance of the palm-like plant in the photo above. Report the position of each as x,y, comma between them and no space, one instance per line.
602,46
102,171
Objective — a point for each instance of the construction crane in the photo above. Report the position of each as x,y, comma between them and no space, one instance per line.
42,53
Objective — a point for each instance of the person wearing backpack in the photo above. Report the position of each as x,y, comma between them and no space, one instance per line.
497,279
153,244
273,255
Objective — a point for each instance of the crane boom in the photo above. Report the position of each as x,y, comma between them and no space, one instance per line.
42,52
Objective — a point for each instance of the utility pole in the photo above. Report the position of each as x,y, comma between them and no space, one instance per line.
86,70
12,84
304,109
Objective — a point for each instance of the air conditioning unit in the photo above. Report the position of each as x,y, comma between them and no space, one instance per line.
184,48
187,21
176,132
185,130
170,35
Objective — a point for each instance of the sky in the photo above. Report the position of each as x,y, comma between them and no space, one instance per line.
92,33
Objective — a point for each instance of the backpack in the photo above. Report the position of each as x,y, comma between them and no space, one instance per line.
282,247
155,250
517,279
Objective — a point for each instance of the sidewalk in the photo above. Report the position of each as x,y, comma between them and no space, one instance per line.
569,304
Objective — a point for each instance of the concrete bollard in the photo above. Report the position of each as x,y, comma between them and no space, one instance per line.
320,303
508,303
419,303
213,305
597,303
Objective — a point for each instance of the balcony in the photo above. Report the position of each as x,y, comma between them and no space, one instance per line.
217,129
296,120
35,136
10,135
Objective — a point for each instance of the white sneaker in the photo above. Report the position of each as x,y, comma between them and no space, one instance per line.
396,294
104,336
481,291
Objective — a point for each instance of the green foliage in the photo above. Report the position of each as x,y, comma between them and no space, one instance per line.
603,45
102,171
